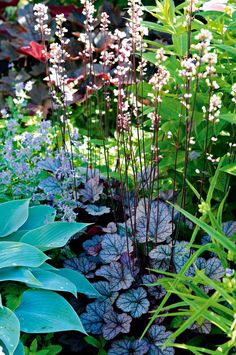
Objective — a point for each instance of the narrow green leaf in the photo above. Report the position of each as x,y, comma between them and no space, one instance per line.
230,169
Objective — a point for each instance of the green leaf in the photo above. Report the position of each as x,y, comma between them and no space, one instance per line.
38,216
20,254
49,281
19,274
80,281
228,49
180,41
43,311
230,169
13,215
9,329
52,235
229,117
157,27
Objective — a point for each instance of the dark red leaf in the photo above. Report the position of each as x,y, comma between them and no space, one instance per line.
35,50
66,10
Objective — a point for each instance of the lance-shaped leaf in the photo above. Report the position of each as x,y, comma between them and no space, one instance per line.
157,336
92,190
93,318
38,216
9,329
81,283
117,274
134,301
43,311
94,210
113,245
83,264
115,324
20,254
127,347
159,226
52,235
13,215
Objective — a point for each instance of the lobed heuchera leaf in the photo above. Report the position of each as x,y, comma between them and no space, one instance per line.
117,274
203,328
93,319
94,210
156,291
157,336
229,228
93,246
113,245
160,225
83,263
115,324
92,190
134,301
127,347
104,288
50,185
214,269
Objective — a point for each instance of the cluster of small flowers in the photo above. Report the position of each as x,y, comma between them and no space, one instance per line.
189,68
204,38
60,30
233,93
155,120
214,108
211,158
41,14
192,6
160,79
104,22
86,38
137,31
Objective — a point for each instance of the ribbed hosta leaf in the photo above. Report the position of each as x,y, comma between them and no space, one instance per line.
9,329
20,274
38,216
52,235
13,215
43,311
20,254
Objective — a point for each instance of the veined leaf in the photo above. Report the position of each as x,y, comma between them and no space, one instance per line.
20,274
9,329
38,216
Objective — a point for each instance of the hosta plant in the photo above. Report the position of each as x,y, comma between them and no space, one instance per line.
36,303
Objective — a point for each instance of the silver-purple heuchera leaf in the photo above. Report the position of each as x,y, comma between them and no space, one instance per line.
93,318
50,185
181,255
115,324
113,246
157,336
104,288
93,246
134,301
83,264
156,291
92,190
203,328
127,347
94,210
229,228
110,228
199,264
214,269
160,225
50,164
161,257
117,274
130,263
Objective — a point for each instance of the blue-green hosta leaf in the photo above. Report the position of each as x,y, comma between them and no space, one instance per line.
80,281
9,329
20,274
20,254
92,190
44,311
52,235
51,186
127,347
160,225
14,237
97,210
104,288
20,349
134,301
38,216
83,264
50,281
93,318
157,336
117,274
13,215
113,245
115,324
